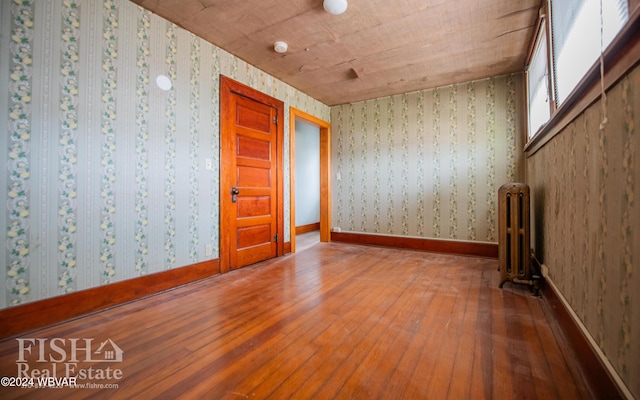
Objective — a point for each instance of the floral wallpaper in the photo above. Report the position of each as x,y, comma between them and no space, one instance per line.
585,188
108,146
103,174
428,163
19,148
141,176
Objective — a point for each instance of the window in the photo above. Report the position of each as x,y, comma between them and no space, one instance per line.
576,35
580,32
537,84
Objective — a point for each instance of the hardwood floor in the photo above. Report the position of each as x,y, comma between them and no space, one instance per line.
306,240
335,321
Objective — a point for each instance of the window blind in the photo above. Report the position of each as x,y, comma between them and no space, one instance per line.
538,91
581,30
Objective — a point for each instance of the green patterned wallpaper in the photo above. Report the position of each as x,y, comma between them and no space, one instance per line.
97,160
428,163
584,186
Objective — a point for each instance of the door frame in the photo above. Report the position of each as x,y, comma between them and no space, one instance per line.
325,168
228,87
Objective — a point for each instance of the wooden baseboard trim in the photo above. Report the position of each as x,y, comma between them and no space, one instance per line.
596,375
307,228
37,314
287,247
432,245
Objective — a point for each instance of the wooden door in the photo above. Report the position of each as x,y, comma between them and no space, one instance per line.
250,176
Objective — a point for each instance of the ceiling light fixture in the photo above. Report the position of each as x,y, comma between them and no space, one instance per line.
335,7
280,47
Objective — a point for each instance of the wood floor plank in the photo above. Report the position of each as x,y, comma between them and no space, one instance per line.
428,322
567,382
377,323
434,370
503,385
334,291
259,360
462,369
366,376
521,374
539,368
334,343
333,321
482,375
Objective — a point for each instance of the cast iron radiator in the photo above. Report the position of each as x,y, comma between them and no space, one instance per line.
514,254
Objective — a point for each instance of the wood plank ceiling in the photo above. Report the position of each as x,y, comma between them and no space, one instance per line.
376,48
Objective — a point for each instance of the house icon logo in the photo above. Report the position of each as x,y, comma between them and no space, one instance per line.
108,352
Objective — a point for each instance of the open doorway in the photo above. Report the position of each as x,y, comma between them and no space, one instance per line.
309,166
307,170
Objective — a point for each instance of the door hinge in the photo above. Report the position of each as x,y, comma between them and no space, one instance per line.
275,119
275,238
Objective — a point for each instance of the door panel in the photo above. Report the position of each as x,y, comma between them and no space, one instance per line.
250,168
254,206
254,176
253,235
252,117
254,148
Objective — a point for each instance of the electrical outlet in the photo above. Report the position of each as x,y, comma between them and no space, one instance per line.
338,176
208,164
208,250
336,229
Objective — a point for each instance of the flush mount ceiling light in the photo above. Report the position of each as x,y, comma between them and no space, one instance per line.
280,47
335,7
